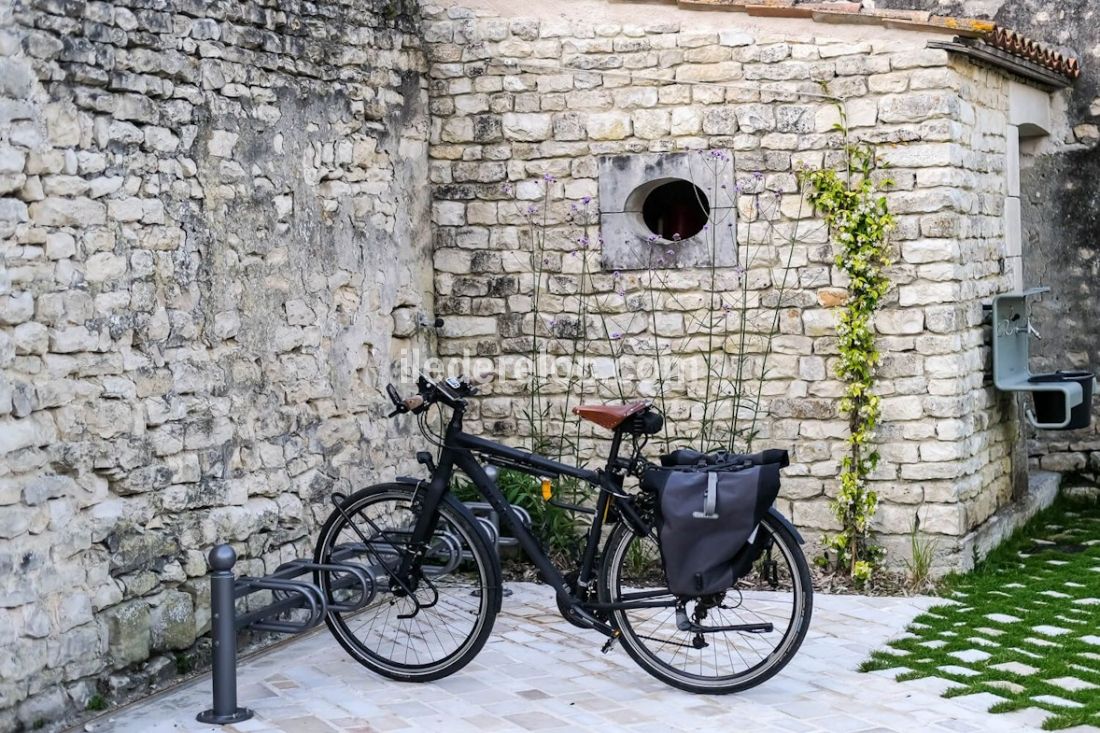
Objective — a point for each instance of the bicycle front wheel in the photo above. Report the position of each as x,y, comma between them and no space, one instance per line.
415,629
776,595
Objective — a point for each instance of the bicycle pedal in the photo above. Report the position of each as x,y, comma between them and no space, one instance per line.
610,643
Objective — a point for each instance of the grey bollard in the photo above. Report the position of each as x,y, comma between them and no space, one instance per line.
223,629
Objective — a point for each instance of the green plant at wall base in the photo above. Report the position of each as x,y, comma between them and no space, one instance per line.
922,553
183,664
96,703
859,222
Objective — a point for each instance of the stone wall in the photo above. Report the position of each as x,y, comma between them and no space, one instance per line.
1060,210
502,124
211,252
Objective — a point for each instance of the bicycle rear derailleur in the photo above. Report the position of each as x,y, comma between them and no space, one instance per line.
702,606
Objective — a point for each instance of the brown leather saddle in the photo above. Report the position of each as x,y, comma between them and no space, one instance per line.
609,416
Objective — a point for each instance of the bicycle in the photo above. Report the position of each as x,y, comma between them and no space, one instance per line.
439,585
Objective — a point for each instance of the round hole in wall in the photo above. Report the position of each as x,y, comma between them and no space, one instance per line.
676,209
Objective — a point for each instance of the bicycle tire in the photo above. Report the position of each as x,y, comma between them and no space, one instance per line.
641,633
476,591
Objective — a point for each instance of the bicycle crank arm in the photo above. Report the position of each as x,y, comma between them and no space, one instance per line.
580,614
684,624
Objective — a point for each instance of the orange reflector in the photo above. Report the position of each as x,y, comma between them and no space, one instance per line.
547,493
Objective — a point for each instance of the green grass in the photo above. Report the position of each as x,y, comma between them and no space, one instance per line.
1047,574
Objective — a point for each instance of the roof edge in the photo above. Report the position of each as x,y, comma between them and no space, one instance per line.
1001,42
977,50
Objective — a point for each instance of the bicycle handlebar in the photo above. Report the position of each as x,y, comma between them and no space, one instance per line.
451,392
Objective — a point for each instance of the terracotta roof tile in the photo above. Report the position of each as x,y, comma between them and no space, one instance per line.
779,11
1018,44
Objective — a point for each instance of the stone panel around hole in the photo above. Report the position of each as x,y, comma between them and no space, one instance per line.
625,181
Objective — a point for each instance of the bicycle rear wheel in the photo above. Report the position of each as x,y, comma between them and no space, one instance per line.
777,591
444,622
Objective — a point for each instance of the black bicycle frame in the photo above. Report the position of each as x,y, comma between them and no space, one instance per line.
459,450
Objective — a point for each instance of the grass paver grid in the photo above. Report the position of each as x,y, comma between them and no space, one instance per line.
1022,627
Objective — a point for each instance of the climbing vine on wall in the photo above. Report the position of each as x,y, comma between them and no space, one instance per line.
859,222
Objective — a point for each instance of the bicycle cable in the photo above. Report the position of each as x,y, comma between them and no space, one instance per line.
429,435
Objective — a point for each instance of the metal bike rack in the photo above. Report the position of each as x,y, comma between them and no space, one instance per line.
489,520
290,594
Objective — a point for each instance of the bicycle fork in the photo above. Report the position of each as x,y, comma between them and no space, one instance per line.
407,588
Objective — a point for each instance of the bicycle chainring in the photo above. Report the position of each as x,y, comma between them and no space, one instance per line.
563,609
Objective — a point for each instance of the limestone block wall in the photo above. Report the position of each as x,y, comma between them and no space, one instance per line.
211,253
1059,214
516,99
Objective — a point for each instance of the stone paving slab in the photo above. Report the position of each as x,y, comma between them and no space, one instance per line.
538,673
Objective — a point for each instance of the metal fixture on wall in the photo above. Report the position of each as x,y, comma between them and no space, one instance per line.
1061,399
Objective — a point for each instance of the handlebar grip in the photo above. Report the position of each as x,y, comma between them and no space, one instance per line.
413,402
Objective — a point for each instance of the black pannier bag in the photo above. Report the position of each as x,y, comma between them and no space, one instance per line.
710,507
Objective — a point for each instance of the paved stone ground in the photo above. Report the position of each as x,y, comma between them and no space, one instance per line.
539,673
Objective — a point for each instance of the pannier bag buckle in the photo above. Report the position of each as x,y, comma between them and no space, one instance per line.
710,501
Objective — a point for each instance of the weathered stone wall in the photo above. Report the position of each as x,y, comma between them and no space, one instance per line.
1060,209
211,251
501,124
